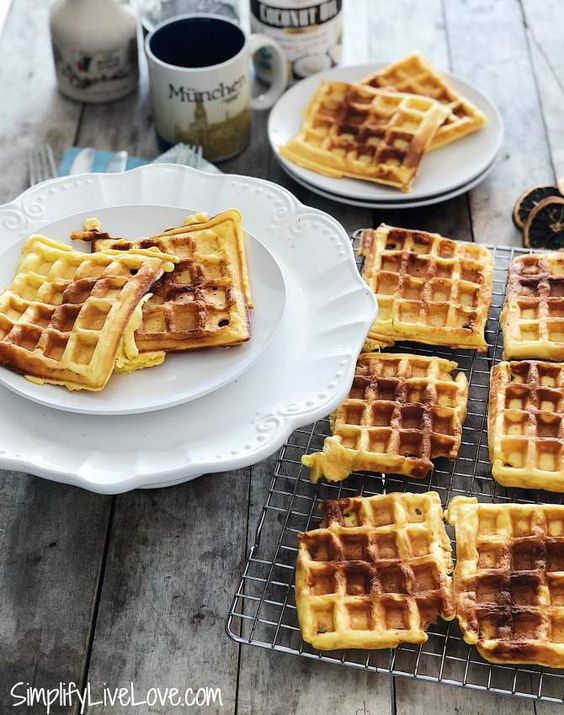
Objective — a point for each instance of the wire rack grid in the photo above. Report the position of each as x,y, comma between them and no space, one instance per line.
263,612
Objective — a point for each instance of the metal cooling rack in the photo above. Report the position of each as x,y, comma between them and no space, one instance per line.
263,612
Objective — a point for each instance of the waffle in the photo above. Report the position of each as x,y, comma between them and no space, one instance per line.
414,75
355,131
429,288
204,303
526,425
375,574
509,580
533,313
64,317
402,411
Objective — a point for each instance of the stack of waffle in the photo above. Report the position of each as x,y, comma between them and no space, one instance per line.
72,318
380,128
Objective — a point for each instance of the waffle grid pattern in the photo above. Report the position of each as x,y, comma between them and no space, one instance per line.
414,75
63,315
204,301
533,317
356,131
526,424
429,288
376,573
263,611
402,411
509,579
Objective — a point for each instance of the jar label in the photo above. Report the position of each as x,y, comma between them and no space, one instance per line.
100,76
309,32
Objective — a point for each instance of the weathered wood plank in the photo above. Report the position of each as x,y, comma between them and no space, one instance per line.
173,561
417,698
548,63
493,29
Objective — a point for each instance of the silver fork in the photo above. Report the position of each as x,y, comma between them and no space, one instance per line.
41,165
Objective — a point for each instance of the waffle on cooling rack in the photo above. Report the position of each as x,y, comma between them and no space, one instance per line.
533,313
509,580
375,574
204,302
414,75
402,411
526,424
64,317
429,288
356,131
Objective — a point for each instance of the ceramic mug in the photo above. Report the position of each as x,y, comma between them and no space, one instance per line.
199,72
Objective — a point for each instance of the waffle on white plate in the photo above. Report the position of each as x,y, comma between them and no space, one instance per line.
415,75
533,313
526,424
429,288
509,580
402,412
376,572
205,301
65,316
355,131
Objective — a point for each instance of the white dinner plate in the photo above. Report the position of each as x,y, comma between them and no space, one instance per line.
304,373
183,376
442,171
396,205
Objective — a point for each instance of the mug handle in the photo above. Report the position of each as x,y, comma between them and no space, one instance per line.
280,74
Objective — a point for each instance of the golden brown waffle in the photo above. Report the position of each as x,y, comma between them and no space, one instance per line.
375,574
356,131
64,316
526,424
509,580
533,313
414,75
430,289
402,411
204,303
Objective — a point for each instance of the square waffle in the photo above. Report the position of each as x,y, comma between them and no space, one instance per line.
356,131
402,411
63,318
375,574
429,288
533,313
509,580
414,75
526,424
205,302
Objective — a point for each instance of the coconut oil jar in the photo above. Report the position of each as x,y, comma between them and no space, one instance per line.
309,31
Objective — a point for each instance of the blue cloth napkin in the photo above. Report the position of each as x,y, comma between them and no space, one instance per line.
178,154
101,161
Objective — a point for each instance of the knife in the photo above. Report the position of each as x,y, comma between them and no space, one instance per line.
117,163
83,161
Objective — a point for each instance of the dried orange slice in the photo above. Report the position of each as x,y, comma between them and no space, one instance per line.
545,225
529,200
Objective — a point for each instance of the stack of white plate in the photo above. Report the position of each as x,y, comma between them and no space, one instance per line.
444,174
204,411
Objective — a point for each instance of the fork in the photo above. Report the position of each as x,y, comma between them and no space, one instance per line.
41,165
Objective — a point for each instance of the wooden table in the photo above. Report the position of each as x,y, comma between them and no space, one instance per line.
136,587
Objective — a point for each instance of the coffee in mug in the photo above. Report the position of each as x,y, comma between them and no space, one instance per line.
199,72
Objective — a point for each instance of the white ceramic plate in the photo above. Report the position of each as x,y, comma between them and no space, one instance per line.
302,375
443,170
396,205
183,376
